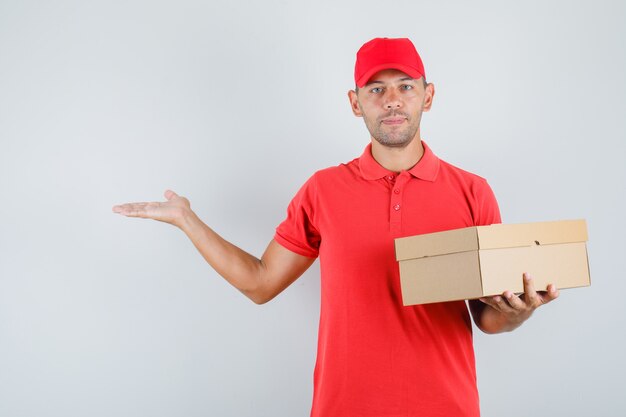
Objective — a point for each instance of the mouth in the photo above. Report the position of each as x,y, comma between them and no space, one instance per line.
394,120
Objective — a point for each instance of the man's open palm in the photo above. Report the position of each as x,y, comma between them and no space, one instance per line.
170,211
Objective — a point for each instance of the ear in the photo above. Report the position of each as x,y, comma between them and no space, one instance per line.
429,94
354,103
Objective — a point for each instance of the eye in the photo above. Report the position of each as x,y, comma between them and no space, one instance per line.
407,87
376,90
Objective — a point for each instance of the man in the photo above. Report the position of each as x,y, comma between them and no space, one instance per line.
375,356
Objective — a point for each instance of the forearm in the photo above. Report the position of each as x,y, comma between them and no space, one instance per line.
238,267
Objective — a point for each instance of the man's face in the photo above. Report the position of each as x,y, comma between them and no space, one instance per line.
391,104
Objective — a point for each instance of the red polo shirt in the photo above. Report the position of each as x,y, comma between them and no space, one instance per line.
375,357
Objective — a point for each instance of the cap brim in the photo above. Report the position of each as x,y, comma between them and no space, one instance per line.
410,71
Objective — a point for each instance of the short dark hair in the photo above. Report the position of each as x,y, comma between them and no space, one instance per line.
356,87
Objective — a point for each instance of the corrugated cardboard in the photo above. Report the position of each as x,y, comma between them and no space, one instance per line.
480,261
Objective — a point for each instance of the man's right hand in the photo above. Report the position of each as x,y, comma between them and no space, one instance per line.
172,211
259,279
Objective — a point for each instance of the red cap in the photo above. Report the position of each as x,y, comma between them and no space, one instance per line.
385,53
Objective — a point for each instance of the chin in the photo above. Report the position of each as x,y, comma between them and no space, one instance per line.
394,143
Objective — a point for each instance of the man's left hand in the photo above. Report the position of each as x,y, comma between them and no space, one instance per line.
510,310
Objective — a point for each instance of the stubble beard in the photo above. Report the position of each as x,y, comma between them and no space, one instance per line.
393,137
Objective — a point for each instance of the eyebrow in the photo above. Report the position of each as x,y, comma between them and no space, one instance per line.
380,82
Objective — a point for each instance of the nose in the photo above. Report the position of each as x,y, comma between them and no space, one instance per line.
392,100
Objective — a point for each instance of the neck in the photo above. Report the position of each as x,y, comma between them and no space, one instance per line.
398,159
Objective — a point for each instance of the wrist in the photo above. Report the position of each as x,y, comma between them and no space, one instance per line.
187,220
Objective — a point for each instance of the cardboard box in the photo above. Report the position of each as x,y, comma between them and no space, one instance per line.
479,261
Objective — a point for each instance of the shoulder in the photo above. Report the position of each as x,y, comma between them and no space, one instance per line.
326,179
477,191
336,173
465,182
452,172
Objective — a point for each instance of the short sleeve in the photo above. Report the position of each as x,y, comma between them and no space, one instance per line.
298,232
487,209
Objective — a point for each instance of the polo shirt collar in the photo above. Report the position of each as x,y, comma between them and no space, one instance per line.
426,168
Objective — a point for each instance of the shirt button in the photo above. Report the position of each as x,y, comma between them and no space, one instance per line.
396,191
396,207
390,177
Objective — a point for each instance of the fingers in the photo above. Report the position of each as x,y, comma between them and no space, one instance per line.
132,209
498,302
530,294
531,299
123,208
136,207
510,302
170,211
537,298
550,295
514,300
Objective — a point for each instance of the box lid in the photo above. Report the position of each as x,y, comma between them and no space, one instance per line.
491,237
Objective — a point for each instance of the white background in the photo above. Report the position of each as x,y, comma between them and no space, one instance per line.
234,106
